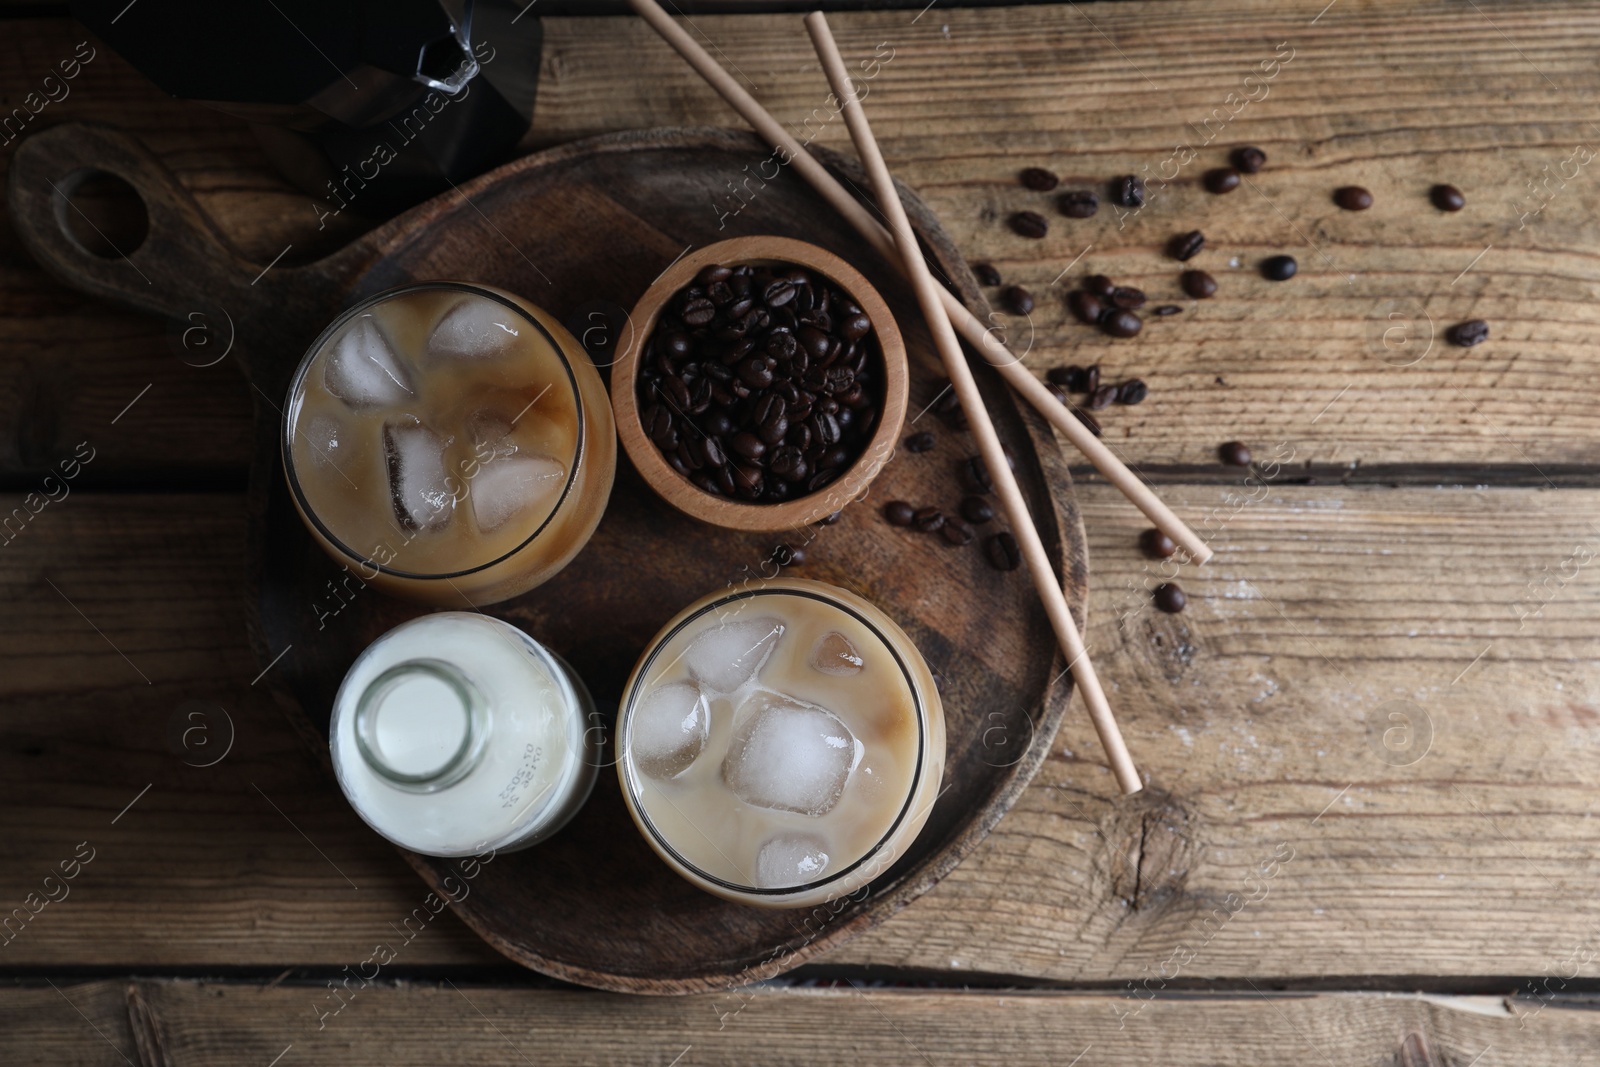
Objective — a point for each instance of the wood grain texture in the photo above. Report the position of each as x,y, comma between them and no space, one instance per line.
970,97
1257,714
203,1023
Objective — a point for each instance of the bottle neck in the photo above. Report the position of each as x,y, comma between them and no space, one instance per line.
422,725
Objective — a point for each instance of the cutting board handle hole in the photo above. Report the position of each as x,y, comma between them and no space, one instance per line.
101,213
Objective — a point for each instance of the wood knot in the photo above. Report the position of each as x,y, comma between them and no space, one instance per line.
1414,1052
1152,846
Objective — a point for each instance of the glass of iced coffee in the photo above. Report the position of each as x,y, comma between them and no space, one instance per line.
452,440
781,745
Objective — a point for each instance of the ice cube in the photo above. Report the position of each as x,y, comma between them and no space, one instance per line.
669,730
515,485
489,432
363,371
417,483
835,654
790,860
322,434
475,328
727,656
790,755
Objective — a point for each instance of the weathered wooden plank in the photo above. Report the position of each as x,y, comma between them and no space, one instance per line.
201,1023
1259,714
967,98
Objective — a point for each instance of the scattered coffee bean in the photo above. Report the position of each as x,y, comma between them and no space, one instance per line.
1127,297
1102,398
1128,190
787,555
1169,598
1447,198
975,509
1078,204
928,519
948,406
919,442
986,274
1186,246
1090,382
1469,333
1060,393
975,474
1249,159
957,532
1168,309
1061,375
760,382
1198,284
1235,454
1002,550
1278,268
1120,323
1039,180
899,513
1222,180
1029,224
1132,391
1087,419
1352,198
1156,545
1099,285
1018,299
1085,306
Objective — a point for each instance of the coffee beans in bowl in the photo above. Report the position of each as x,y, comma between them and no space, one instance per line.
765,385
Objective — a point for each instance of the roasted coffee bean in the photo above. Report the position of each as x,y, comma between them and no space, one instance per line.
1120,323
779,292
1102,398
1090,381
957,532
1278,268
975,474
1128,190
712,273
1156,545
1169,598
1222,180
1249,159
919,442
1078,204
1127,298
1030,224
976,509
1168,309
1039,180
928,519
1186,246
835,458
1132,391
1002,550
708,452
697,311
676,345
1099,285
717,423
748,445
986,274
1198,284
1447,198
789,463
787,555
1018,299
1061,375
1060,393
1085,306
1469,333
899,513
1235,454
1352,198
1087,419
820,480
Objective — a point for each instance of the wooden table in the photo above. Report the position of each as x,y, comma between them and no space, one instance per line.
1306,879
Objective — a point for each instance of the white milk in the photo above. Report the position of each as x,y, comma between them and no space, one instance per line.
456,733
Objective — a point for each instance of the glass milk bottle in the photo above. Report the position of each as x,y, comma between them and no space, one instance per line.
456,733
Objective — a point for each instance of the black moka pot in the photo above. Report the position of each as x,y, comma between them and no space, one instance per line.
369,107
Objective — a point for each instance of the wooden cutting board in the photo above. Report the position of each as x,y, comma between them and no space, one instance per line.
582,230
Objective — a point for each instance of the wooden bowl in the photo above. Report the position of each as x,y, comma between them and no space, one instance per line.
689,498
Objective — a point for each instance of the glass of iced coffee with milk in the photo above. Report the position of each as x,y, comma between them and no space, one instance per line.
451,439
781,745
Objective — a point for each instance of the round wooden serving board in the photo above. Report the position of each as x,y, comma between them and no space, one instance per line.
582,230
